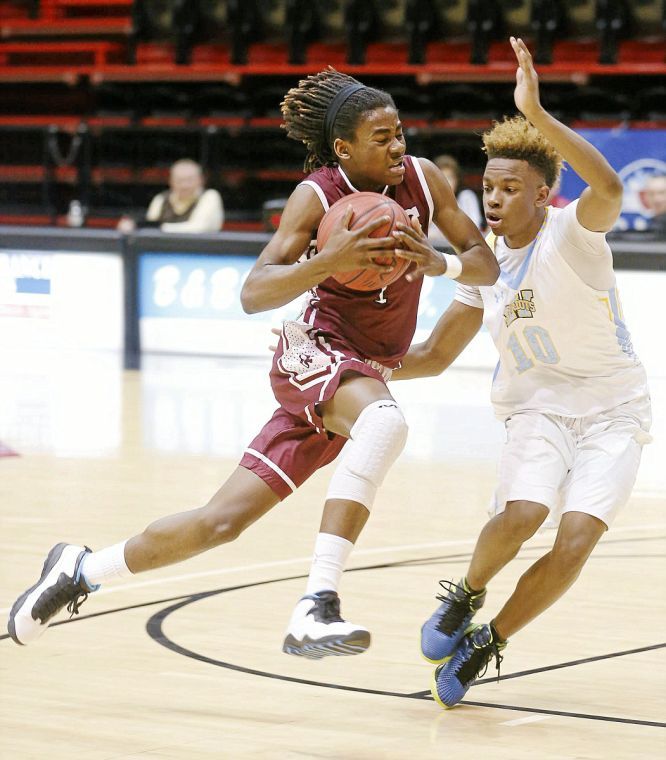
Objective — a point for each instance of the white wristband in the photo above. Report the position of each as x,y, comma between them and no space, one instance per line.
453,266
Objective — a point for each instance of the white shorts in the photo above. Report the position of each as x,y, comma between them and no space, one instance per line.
573,464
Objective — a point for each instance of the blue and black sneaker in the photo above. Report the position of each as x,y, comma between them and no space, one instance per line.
453,679
444,629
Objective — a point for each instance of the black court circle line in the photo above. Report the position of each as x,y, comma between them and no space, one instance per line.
154,629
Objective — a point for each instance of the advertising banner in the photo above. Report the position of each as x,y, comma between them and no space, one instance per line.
61,300
637,155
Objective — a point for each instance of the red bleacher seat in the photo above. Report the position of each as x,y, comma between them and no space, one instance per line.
59,54
63,27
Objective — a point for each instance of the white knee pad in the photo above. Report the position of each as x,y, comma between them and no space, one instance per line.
376,440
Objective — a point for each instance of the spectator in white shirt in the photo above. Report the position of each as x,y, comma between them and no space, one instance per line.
185,207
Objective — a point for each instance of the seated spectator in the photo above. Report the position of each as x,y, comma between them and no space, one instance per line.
467,199
655,199
185,207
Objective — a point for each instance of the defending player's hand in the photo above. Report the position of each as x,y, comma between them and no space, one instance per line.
526,94
276,331
415,246
347,250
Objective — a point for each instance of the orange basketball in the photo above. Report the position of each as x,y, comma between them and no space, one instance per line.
366,206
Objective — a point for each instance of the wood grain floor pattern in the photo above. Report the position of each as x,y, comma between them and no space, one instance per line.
184,663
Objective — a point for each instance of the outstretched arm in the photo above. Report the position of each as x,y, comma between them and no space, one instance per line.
601,201
453,331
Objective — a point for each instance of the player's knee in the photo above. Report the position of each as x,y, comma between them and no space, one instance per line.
570,552
377,439
522,519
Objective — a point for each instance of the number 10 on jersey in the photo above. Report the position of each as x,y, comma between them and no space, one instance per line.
539,345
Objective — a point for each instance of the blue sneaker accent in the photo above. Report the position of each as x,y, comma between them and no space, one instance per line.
453,679
80,577
444,629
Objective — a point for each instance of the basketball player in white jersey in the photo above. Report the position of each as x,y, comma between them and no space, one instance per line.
568,384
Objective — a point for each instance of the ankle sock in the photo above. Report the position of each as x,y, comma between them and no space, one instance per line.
469,589
330,556
496,637
105,564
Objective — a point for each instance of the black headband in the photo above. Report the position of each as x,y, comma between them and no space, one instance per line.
336,104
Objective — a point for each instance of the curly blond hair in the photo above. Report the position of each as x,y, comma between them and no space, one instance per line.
515,137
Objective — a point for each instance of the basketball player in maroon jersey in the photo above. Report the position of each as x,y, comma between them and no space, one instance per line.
329,373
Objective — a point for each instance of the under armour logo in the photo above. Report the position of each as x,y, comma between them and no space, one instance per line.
305,359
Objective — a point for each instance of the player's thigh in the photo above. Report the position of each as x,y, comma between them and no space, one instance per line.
243,499
604,470
287,451
354,393
534,461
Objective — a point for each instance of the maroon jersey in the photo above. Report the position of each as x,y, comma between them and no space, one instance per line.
379,324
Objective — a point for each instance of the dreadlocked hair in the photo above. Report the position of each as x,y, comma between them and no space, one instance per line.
304,110
516,138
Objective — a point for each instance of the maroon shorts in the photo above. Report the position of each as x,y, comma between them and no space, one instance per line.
306,371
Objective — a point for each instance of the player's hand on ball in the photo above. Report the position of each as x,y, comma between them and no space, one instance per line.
346,249
414,246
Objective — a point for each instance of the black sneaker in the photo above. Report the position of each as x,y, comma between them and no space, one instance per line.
60,584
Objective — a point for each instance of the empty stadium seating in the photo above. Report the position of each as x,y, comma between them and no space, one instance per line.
100,96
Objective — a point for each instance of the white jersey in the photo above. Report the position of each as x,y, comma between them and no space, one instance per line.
563,346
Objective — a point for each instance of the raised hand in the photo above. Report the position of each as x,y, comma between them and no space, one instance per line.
526,94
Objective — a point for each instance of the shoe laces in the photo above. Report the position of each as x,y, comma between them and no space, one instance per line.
484,648
328,607
458,602
65,592
73,606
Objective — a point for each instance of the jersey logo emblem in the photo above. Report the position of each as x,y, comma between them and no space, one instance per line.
522,307
412,212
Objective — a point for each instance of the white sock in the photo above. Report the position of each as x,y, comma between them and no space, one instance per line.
330,556
105,564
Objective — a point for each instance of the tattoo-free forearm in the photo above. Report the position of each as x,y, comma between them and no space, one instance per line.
273,285
480,266
452,333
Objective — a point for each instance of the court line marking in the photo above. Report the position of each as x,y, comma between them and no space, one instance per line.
529,719
154,630
154,627
357,553
571,663
567,714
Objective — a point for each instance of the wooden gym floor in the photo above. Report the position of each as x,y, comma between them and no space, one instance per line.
185,662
